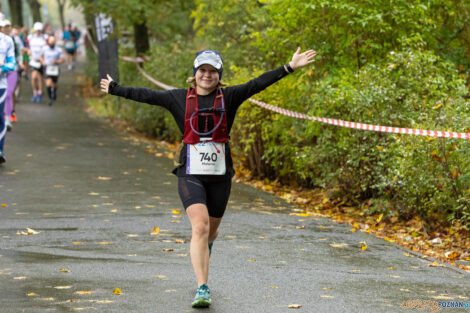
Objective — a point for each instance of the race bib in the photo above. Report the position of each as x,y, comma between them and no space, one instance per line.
206,158
52,70
69,45
35,64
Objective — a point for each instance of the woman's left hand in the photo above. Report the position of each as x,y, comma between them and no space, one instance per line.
301,59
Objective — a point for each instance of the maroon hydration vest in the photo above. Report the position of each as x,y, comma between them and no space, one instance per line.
191,132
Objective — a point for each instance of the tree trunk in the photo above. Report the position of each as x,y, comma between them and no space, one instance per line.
141,38
16,10
35,10
61,4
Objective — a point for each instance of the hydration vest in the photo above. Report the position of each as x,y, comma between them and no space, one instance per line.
191,118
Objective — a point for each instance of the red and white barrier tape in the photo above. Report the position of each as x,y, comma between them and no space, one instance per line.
341,123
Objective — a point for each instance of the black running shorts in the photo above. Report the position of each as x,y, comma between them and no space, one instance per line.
214,194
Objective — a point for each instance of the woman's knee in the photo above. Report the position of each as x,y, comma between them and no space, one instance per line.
201,229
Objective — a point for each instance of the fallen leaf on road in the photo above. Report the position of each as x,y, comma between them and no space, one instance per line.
132,235
174,221
78,243
338,245
253,260
47,299
404,290
161,276
103,178
294,306
4,205
391,268
83,292
155,231
63,270
327,288
117,291
105,243
178,240
29,231
114,211
168,249
363,245
442,297
394,276
100,301
19,277
326,296
63,287
31,294
176,211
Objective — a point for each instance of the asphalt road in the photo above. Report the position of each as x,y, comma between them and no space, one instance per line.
93,195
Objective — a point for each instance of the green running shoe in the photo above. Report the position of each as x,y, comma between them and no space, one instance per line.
202,298
210,248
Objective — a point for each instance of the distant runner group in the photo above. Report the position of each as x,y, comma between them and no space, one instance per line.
37,52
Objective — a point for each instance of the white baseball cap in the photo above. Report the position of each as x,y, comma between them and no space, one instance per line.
38,26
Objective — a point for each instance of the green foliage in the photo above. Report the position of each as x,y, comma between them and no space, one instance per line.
395,63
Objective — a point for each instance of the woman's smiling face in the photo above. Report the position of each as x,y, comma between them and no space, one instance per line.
207,78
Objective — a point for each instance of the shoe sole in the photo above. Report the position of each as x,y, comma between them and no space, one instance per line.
201,303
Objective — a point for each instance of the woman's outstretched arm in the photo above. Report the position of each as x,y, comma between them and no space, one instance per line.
139,94
244,91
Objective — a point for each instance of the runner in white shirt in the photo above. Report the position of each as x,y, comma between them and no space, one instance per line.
51,57
7,64
37,42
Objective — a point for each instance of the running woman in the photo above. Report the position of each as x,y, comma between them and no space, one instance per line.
51,57
37,42
19,49
204,114
7,64
12,77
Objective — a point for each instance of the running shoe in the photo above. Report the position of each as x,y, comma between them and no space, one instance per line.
210,248
34,98
2,158
14,118
39,98
202,298
8,123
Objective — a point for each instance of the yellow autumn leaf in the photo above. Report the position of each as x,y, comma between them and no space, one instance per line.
252,260
155,231
117,291
19,277
83,292
174,211
352,230
178,240
105,243
174,221
103,178
363,245
437,106
4,205
391,268
168,249
63,270
31,294
78,243
63,287
326,296
380,218
294,306
161,276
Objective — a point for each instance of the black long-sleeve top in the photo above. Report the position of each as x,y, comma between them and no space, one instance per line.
175,101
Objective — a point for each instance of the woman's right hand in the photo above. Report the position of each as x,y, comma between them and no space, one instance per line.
104,83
